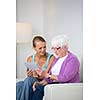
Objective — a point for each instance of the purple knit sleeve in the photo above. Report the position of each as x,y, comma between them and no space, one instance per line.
48,80
69,70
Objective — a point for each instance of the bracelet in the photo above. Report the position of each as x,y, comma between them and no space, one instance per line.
49,76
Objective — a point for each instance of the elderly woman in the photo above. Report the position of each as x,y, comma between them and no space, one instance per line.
65,68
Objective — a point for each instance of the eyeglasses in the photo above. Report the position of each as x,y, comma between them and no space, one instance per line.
55,48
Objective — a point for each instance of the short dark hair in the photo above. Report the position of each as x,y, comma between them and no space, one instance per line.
36,39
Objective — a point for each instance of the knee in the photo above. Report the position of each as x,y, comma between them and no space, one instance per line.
29,80
19,84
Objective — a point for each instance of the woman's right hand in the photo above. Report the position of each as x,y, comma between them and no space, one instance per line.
29,73
32,73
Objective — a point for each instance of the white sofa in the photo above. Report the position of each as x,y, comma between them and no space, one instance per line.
71,91
66,91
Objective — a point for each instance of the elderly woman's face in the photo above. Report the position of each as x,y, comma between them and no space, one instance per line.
40,47
59,51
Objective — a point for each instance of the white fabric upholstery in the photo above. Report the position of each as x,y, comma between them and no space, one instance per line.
18,80
71,91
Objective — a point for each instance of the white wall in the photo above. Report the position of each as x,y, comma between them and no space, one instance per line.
30,11
52,17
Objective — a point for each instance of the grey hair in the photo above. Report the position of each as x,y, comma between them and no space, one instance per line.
59,41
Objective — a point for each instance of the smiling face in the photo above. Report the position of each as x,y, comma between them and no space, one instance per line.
59,45
40,47
56,50
60,51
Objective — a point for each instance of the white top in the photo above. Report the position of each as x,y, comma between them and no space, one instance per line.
56,68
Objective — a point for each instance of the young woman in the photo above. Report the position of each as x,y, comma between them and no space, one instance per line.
41,58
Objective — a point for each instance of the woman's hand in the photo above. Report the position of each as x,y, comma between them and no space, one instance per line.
44,74
39,71
32,73
35,85
35,74
43,82
29,73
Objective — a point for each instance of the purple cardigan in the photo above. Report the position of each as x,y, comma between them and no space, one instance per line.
69,72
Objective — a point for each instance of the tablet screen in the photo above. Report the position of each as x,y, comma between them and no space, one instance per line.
31,66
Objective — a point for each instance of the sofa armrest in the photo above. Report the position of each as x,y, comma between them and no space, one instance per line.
70,91
18,80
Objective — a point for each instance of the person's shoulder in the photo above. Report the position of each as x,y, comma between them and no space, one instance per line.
73,57
51,56
29,59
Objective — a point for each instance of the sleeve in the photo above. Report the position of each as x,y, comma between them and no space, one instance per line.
48,80
70,70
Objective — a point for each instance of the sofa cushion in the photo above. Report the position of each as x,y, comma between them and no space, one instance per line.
71,91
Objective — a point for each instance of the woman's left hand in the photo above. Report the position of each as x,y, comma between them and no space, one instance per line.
45,74
42,73
35,85
39,72
43,82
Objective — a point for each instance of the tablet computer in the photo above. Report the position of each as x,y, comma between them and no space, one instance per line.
31,66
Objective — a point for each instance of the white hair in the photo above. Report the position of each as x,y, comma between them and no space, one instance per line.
59,41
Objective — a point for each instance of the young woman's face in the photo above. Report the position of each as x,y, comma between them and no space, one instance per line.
40,47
